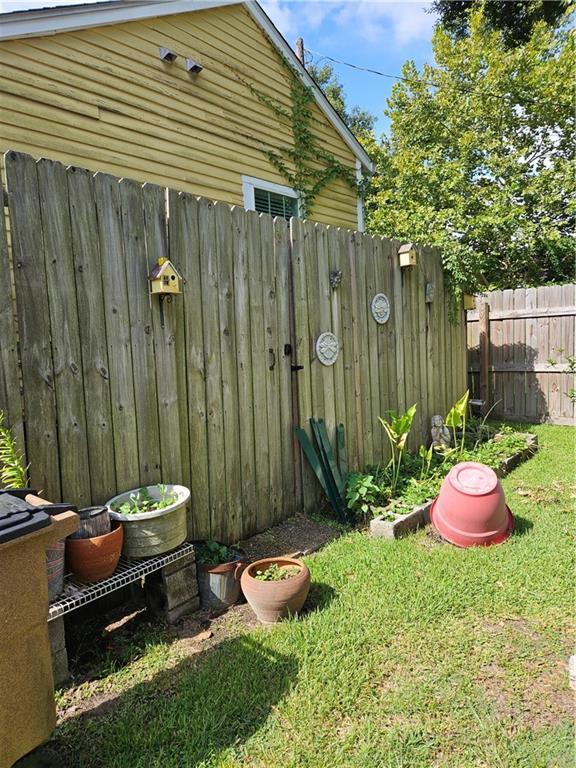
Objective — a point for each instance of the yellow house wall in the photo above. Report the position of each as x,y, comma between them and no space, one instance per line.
102,99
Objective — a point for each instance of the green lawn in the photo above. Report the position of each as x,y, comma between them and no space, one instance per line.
418,655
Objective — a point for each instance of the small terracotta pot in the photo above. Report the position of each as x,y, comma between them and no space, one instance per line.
275,600
470,509
96,558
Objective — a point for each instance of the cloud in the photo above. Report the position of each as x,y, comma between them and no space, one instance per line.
371,20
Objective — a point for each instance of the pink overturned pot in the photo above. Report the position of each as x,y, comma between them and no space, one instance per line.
470,509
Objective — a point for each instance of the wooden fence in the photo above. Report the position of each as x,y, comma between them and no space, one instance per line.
530,349
104,397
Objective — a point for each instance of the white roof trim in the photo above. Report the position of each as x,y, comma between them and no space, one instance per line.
50,21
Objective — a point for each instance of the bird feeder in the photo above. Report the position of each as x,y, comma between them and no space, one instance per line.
407,255
165,282
165,278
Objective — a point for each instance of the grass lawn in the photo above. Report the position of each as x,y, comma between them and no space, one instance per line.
418,655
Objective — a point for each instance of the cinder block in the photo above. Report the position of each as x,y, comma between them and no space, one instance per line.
180,586
179,564
395,529
57,635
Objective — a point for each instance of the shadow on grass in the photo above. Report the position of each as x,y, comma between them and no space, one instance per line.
522,525
184,716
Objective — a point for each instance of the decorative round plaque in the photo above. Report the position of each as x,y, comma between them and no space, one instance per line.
380,308
327,348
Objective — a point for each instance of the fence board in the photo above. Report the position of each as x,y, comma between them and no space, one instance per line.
283,362
92,325
166,333
223,225
64,331
10,400
141,336
532,337
117,330
213,369
188,256
241,260
34,330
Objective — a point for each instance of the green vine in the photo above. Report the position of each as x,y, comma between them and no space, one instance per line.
314,167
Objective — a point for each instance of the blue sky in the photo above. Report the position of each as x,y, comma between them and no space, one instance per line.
371,33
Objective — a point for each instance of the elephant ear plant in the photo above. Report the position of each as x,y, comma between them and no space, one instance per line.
397,429
456,419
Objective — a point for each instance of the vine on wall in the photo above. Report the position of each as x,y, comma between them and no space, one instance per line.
305,165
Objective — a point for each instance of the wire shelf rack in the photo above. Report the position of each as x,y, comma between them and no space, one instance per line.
76,593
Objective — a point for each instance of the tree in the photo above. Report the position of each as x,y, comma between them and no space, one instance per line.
358,120
515,19
480,158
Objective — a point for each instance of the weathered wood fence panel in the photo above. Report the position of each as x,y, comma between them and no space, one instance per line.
418,356
531,353
117,392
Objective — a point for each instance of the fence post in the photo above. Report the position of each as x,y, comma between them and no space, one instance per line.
484,327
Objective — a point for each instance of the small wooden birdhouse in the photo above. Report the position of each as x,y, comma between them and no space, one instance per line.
407,254
469,301
165,278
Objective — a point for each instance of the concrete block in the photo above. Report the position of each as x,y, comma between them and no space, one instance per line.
57,634
402,525
179,564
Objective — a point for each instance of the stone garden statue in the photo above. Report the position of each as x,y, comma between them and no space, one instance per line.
440,433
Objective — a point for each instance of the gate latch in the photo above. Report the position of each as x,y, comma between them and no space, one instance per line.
296,368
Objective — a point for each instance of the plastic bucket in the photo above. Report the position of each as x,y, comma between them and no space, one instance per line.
55,568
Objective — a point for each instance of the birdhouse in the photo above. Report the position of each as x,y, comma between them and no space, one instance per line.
165,278
469,301
407,254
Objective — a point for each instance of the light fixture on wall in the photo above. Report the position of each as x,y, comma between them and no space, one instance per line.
193,67
167,55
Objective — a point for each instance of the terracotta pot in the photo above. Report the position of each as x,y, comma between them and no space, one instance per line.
470,509
275,600
96,558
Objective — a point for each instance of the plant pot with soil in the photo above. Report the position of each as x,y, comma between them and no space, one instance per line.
276,587
96,557
154,519
219,569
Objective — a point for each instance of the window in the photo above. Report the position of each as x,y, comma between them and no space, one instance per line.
267,197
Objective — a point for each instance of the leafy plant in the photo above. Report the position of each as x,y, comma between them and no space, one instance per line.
362,492
426,456
275,573
456,418
13,472
397,430
142,501
213,553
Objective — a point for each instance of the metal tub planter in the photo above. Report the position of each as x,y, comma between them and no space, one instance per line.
154,519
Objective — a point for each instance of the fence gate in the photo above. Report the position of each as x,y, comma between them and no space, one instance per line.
106,394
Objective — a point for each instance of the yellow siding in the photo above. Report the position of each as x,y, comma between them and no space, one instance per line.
102,99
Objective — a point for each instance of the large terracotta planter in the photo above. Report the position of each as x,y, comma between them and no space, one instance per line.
96,558
470,509
147,534
272,601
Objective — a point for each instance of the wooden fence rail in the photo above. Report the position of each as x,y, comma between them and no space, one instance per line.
529,368
105,396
